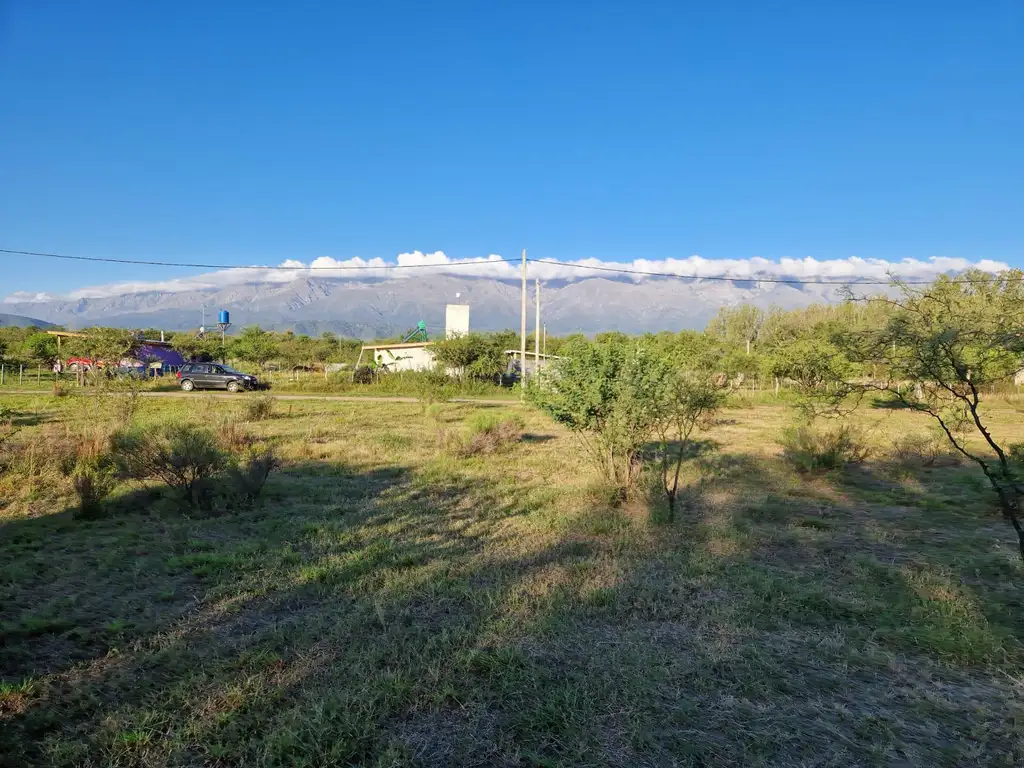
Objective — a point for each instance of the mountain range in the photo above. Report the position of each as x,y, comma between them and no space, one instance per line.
22,321
367,308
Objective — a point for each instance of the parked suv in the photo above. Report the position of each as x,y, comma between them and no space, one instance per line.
214,376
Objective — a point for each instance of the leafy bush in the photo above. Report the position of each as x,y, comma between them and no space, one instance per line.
93,480
246,480
182,456
433,387
260,407
475,355
810,446
363,375
605,393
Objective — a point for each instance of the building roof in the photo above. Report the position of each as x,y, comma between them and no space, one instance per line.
166,355
409,345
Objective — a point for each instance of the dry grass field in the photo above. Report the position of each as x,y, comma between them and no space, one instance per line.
390,602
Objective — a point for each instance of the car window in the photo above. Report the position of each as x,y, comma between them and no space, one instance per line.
200,369
216,369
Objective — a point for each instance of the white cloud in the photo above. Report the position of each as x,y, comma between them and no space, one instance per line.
25,297
492,266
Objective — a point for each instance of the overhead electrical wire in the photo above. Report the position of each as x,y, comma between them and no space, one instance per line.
238,266
482,262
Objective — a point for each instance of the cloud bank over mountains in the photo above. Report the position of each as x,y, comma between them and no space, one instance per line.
438,263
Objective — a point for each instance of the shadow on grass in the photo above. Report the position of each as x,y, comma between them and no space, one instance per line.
896,546
401,616
335,572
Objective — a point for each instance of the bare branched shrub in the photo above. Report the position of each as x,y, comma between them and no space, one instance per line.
182,456
489,434
234,437
246,479
123,392
260,407
813,446
1015,452
922,449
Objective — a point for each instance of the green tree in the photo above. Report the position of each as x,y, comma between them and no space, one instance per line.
476,355
604,393
194,347
254,345
684,404
104,345
40,348
326,350
939,348
737,325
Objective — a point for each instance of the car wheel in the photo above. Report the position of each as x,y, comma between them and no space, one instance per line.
187,385
232,386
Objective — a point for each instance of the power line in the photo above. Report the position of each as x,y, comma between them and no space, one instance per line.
236,266
752,278
552,262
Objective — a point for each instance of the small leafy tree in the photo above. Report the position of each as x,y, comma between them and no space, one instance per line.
684,404
325,350
938,349
604,392
106,345
812,363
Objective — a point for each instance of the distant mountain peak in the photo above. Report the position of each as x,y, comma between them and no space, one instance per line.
377,307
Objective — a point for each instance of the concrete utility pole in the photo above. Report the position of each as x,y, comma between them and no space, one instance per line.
536,338
522,338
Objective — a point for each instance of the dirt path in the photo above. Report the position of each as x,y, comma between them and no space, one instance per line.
336,398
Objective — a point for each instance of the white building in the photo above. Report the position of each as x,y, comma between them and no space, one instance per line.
414,355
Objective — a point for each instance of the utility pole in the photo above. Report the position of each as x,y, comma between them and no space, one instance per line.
536,338
545,349
522,338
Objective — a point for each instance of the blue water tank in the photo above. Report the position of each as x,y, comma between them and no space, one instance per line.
223,317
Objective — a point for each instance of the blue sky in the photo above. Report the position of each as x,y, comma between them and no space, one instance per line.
253,132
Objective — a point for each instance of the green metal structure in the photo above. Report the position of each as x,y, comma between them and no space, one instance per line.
419,333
